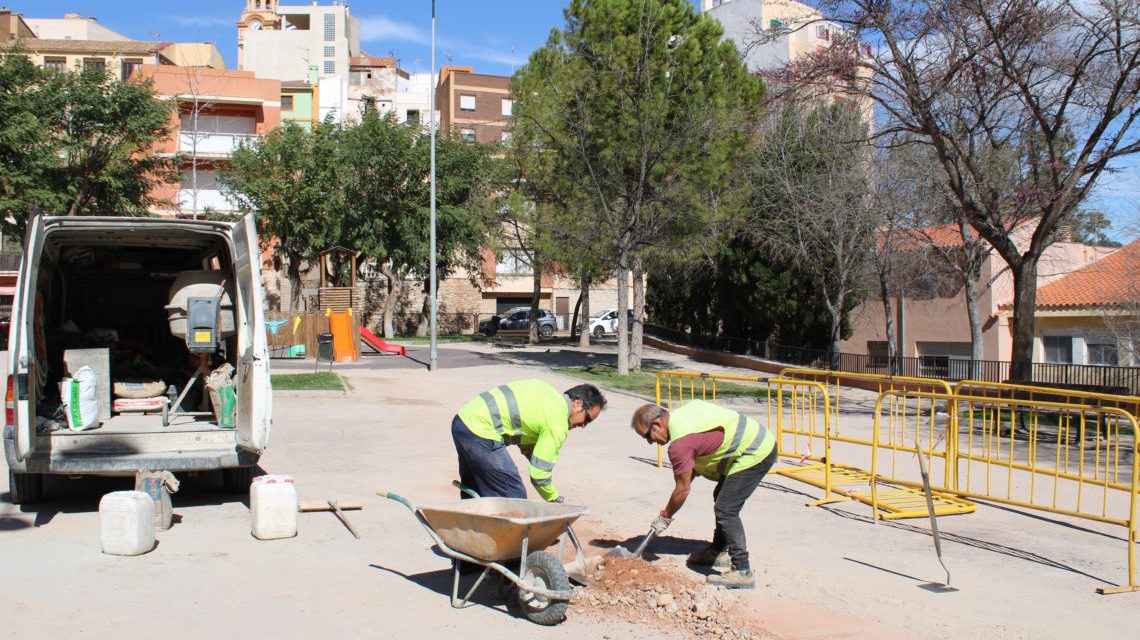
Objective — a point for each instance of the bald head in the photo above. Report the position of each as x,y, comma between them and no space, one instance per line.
645,415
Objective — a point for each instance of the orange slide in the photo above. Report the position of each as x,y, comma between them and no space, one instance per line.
340,324
371,340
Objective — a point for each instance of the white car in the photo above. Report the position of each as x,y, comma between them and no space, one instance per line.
607,322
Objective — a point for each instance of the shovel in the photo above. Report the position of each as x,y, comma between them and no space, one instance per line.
622,552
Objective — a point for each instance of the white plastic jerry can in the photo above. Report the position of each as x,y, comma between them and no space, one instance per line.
126,523
273,507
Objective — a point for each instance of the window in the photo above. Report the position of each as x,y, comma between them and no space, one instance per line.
877,352
56,64
1103,354
286,103
506,137
330,66
412,116
1058,349
466,103
330,27
130,65
94,64
822,32
508,106
330,52
467,135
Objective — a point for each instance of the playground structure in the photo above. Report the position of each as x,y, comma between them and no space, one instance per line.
295,336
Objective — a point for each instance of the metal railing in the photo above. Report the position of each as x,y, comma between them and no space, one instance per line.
212,143
1115,379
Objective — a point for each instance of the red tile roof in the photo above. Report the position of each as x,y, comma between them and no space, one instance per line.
1112,281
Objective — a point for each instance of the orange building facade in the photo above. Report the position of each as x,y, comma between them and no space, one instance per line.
218,111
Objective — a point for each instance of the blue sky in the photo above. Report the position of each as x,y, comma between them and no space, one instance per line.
493,36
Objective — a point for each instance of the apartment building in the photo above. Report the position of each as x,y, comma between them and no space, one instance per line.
218,111
283,41
76,42
477,107
770,34
73,26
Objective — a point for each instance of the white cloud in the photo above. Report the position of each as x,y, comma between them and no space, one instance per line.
374,28
202,21
381,29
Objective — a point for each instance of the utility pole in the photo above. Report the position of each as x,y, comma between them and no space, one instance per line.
433,364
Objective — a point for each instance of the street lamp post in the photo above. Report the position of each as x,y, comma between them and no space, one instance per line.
434,309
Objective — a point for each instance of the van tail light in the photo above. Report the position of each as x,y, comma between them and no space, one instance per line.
10,402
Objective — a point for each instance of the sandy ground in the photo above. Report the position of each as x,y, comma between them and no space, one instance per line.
822,572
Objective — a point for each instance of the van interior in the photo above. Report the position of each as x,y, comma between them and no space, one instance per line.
110,291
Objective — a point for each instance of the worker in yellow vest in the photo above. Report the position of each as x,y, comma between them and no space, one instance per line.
530,413
731,449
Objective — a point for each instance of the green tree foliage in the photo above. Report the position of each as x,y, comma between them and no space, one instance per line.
288,177
812,203
642,109
384,173
77,143
742,292
365,187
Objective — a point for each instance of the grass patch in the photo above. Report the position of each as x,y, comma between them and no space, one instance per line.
320,381
447,337
644,382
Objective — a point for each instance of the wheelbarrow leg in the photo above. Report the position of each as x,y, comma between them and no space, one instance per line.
455,601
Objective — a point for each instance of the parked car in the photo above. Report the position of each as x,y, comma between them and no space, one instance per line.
606,322
519,319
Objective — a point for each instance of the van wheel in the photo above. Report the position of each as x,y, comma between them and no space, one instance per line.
25,488
237,480
598,333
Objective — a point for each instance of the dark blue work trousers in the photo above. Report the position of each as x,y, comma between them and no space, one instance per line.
485,465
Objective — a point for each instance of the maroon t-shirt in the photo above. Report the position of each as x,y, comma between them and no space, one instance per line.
684,451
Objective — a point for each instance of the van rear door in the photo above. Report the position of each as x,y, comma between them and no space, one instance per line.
23,364
255,395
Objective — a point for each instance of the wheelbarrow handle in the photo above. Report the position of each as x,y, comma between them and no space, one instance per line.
464,488
398,498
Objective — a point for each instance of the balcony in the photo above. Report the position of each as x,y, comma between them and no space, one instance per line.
215,145
212,199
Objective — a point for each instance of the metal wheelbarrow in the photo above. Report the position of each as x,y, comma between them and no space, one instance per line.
490,532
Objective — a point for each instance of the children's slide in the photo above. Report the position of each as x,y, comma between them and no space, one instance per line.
369,338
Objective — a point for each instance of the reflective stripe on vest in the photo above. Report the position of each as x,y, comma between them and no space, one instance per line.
512,408
730,454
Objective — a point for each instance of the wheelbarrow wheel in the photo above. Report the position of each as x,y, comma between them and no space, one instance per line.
544,570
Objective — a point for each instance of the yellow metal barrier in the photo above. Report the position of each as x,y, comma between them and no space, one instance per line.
1005,443
1131,404
1068,458
803,417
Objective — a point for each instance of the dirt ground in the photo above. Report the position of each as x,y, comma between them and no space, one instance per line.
824,572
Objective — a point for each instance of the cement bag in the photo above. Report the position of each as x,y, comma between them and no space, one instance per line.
80,399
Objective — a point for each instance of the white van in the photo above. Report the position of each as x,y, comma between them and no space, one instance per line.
103,285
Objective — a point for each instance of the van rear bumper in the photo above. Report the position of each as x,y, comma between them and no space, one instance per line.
126,461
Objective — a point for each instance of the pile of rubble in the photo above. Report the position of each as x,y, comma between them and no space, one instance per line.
638,591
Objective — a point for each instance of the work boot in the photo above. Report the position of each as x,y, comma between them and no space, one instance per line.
709,556
735,579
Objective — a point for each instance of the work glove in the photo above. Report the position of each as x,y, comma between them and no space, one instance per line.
660,524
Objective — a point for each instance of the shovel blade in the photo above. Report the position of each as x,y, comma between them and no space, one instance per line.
619,552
